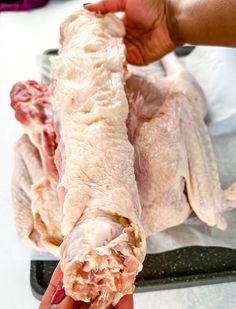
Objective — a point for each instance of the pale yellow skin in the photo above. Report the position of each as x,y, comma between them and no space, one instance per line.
36,208
104,244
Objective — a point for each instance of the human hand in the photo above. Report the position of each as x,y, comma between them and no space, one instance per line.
148,36
55,298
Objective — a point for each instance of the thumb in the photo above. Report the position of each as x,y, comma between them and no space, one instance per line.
53,285
126,302
106,6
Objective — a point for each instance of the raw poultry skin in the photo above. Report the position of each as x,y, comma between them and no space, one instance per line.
38,214
104,244
160,158
174,166
28,169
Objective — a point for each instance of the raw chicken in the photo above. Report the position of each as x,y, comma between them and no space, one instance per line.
35,203
105,243
28,169
32,105
102,180
174,162
175,167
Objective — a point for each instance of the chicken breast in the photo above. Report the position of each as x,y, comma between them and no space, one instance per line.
175,167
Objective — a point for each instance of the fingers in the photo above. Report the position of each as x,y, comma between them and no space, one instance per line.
126,302
106,6
133,53
64,302
55,281
67,303
56,294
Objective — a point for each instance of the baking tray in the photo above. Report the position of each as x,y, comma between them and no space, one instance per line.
185,267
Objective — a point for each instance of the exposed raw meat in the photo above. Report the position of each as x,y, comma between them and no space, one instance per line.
169,168
37,211
32,105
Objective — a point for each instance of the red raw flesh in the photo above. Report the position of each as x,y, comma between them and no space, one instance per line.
32,104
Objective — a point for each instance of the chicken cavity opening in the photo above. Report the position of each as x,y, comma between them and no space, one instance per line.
101,267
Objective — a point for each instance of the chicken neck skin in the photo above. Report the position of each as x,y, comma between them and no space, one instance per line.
95,161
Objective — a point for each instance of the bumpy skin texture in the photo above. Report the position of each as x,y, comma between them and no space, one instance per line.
160,155
175,167
105,243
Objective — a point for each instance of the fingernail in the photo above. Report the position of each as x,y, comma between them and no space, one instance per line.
84,5
59,295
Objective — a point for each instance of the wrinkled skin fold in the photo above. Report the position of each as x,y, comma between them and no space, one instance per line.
104,244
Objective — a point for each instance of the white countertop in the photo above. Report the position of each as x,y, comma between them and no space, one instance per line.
23,35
